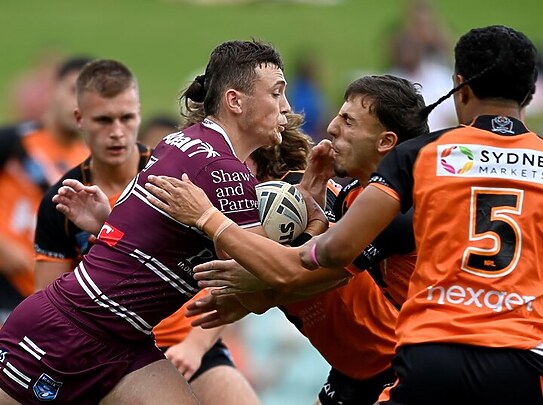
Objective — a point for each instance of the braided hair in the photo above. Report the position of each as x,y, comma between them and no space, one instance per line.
496,62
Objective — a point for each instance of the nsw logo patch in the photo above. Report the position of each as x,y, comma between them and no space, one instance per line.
46,389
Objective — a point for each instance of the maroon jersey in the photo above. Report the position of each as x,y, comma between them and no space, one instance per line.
140,269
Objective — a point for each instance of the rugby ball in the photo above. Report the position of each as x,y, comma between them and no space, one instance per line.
282,210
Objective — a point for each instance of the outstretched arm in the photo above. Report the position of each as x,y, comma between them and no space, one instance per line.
276,265
86,206
214,311
229,277
370,213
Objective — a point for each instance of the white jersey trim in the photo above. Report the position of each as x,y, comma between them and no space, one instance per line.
101,299
217,128
164,273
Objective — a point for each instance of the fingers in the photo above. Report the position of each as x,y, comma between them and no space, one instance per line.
63,209
214,283
201,306
157,203
74,184
218,292
209,321
169,182
221,265
157,191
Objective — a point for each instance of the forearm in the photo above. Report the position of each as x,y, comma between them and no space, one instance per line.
314,283
273,263
370,213
203,339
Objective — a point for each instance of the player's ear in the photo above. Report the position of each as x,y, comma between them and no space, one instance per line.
233,99
387,141
465,93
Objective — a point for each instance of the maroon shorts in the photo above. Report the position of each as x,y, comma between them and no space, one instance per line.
45,356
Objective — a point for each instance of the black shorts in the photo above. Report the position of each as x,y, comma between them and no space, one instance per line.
459,374
217,355
341,389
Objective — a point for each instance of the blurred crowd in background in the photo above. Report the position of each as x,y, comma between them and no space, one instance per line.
277,360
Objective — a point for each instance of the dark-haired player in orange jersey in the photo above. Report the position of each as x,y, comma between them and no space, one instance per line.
471,330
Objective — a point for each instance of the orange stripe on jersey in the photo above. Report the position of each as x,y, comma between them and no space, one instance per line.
385,395
386,189
176,327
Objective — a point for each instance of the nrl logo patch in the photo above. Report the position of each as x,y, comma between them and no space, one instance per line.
46,389
3,354
502,125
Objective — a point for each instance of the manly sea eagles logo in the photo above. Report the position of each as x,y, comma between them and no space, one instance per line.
46,389
502,125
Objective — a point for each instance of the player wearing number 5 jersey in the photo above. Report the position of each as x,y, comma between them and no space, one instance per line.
471,330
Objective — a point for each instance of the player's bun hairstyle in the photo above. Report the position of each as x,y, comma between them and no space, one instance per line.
273,162
496,62
232,64
106,77
395,102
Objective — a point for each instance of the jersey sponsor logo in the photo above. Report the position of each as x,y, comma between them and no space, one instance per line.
3,354
456,159
502,125
110,235
490,162
497,301
46,388
231,187
190,146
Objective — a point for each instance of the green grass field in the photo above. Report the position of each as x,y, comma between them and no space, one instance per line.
166,42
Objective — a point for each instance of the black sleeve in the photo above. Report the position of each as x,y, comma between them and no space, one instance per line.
397,238
51,237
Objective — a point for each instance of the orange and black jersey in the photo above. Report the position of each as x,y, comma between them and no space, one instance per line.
57,238
391,257
476,191
358,307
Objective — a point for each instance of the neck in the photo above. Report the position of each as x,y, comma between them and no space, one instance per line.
112,179
492,107
239,140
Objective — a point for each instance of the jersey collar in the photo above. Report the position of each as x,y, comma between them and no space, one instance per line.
217,128
500,125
